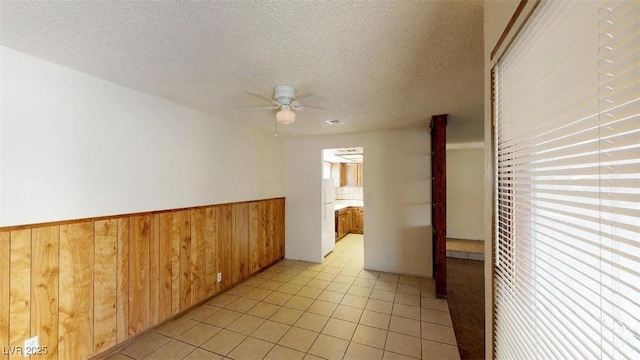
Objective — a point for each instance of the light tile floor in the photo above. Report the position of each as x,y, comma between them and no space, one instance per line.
300,310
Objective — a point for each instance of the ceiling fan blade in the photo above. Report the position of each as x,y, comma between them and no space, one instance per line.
312,99
309,107
261,96
259,107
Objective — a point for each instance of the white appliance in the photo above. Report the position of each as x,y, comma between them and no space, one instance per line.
328,216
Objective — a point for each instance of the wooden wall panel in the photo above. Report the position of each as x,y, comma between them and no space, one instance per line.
254,236
166,225
76,295
182,229
139,230
105,285
20,289
223,242
176,234
263,210
210,251
240,242
44,287
154,269
198,253
275,213
271,231
279,228
122,282
87,286
5,250
282,227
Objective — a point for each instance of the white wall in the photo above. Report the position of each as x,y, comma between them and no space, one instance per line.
465,194
75,146
397,198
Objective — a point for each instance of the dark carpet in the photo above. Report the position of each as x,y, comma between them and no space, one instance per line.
465,294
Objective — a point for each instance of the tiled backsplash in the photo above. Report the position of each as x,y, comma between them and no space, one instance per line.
349,193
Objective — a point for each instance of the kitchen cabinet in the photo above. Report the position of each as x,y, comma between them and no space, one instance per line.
351,174
357,220
343,222
345,175
349,220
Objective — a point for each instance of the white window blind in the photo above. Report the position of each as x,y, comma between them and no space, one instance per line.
567,204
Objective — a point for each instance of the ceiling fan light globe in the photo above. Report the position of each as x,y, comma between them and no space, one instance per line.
285,117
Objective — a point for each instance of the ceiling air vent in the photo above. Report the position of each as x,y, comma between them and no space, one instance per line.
334,122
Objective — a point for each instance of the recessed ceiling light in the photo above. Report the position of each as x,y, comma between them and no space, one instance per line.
334,122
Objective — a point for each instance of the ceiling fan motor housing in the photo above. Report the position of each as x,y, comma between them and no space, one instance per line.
284,94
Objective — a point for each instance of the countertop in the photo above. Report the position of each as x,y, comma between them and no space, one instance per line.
343,204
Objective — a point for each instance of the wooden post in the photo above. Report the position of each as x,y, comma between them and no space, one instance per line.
439,199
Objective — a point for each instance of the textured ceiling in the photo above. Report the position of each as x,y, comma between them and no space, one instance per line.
381,65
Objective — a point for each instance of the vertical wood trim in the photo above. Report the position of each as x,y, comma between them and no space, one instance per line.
154,269
122,296
44,287
198,254
76,295
20,289
5,251
138,274
105,284
254,236
166,224
210,251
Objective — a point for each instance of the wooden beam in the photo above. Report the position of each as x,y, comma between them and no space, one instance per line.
439,199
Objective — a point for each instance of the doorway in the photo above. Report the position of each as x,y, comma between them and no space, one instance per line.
343,195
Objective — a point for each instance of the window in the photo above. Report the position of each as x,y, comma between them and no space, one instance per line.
567,205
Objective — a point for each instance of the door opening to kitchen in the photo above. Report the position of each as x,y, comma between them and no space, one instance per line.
342,201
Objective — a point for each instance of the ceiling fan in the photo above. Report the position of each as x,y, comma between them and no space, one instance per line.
284,99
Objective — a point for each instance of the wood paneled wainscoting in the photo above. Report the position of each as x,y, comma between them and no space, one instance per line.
86,286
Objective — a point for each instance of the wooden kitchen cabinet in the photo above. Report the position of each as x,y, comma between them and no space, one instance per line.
349,220
357,220
348,174
351,174
343,221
